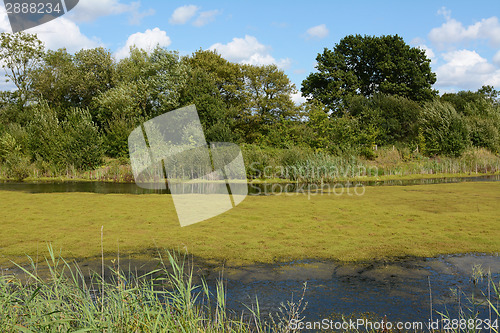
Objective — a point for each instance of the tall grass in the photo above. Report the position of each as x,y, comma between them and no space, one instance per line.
305,165
297,164
163,300
467,318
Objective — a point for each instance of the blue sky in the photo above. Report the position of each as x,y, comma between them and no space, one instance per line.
462,38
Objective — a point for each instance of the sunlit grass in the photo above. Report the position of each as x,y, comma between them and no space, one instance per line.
420,220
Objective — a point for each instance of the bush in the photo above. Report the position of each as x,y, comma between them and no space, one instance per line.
444,130
74,141
82,141
116,138
393,117
18,165
45,135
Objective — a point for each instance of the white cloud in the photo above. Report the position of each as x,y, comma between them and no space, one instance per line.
466,69
445,12
249,50
136,16
4,20
62,32
453,31
183,14
144,40
496,58
205,18
89,10
318,32
297,98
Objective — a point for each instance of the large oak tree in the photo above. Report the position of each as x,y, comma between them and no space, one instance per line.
365,65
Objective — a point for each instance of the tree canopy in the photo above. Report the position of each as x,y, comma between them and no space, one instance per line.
71,110
365,65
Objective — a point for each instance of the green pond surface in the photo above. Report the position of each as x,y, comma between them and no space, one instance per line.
399,289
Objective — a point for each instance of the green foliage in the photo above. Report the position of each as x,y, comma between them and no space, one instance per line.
55,80
20,53
268,92
365,65
116,137
74,141
393,117
45,135
481,113
93,74
8,144
320,125
217,117
82,141
285,134
71,110
444,130
18,165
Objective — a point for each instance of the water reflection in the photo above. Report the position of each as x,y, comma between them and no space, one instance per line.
211,187
398,289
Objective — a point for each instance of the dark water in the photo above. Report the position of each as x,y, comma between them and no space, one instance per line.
253,188
399,290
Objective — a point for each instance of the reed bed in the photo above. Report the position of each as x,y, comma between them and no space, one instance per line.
297,164
165,299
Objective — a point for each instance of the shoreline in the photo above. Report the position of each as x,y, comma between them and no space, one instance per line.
208,264
31,180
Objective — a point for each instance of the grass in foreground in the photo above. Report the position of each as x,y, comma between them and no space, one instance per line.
163,300
420,220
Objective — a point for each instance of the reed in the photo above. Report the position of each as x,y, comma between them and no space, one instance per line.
166,299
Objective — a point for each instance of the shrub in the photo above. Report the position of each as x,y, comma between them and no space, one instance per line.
74,141
393,116
444,130
45,135
82,141
18,165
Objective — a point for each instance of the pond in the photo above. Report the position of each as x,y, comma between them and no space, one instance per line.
399,289
253,188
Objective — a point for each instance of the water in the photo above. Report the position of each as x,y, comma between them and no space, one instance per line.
397,289
253,188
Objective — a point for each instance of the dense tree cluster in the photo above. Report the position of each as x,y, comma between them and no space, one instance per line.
71,110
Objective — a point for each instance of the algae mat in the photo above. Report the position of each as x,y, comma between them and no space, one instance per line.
390,221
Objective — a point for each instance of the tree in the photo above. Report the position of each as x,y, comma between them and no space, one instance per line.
267,100
94,75
365,65
20,53
394,117
227,76
54,78
481,112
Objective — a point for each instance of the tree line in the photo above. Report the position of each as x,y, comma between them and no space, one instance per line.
74,109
